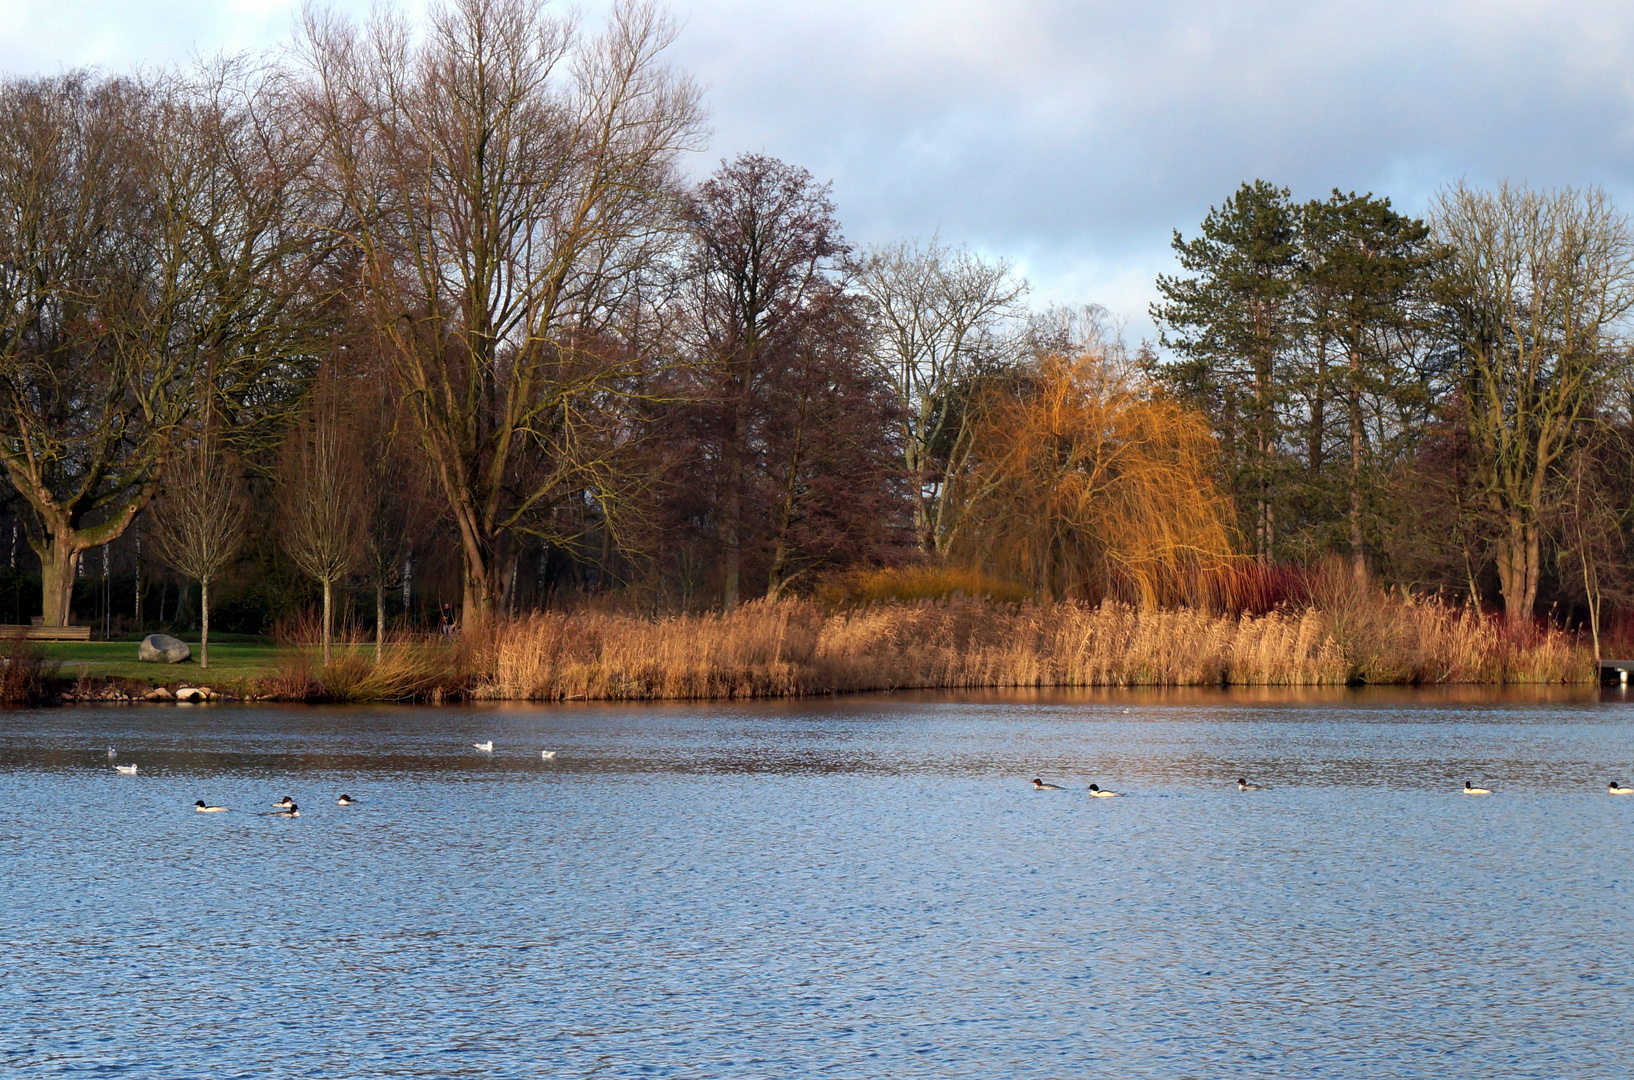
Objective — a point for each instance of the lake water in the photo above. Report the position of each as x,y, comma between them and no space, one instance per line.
859,887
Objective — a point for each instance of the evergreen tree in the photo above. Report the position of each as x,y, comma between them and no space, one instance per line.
1366,282
1231,323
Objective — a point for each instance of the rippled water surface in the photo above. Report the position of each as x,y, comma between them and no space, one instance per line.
861,887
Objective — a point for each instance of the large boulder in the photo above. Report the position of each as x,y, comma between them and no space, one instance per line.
162,649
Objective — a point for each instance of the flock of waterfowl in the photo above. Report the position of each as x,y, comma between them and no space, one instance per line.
1616,787
286,807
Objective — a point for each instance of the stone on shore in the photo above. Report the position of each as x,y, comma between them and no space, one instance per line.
162,649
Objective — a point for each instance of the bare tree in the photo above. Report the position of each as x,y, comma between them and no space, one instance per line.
394,504
509,182
156,249
321,493
1535,299
198,522
939,313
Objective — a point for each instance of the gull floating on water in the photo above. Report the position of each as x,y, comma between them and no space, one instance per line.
489,745
548,755
1471,789
128,770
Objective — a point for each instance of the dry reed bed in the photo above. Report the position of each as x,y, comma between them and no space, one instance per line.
793,648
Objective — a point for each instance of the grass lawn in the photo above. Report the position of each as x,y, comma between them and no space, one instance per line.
229,661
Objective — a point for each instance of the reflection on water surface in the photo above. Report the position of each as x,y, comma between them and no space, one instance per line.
858,887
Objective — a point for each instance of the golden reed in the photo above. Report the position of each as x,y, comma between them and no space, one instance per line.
795,647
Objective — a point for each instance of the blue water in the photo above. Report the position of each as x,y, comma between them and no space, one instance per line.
860,887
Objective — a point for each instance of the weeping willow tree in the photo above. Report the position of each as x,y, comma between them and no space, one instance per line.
1087,485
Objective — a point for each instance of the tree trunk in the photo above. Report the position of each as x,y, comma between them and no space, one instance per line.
1519,559
204,622
379,619
328,608
921,512
1591,590
774,577
1314,451
732,512
477,552
59,562
138,539
1358,558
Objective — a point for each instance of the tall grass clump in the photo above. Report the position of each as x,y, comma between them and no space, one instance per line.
397,667
1406,639
25,671
756,650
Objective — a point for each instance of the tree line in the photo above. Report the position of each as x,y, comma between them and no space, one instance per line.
1443,402
437,303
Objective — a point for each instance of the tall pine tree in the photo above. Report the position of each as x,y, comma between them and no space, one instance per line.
1231,323
1366,282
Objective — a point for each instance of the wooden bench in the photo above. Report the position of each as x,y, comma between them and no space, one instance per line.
45,633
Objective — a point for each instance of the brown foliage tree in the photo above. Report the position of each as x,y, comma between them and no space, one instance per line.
1086,484
766,245
827,477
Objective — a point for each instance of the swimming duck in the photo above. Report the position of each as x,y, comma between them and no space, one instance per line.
548,755
128,770
285,803
291,811
1617,788
489,745
1244,785
1471,789
345,800
1039,785
202,808
1099,794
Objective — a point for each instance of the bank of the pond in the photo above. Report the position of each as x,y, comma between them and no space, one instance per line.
795,648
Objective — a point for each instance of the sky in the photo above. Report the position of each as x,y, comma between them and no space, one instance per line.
1071,137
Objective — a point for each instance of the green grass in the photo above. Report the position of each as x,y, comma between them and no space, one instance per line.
229,661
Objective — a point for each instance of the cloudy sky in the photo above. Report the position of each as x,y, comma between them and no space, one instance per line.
1070,137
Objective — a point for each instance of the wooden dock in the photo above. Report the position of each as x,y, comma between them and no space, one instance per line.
1616,671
